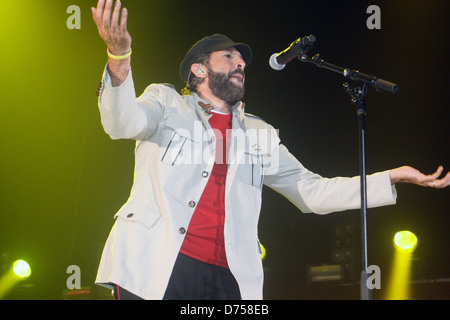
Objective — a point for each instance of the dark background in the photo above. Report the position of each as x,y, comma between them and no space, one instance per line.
62,178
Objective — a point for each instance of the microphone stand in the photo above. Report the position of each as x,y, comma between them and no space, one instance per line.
358,94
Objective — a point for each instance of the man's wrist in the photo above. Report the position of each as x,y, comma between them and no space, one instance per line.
394,177
118,70
119,55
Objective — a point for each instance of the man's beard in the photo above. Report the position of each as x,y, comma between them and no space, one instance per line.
223,88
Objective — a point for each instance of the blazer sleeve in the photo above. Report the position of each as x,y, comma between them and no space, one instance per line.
312,193
123,115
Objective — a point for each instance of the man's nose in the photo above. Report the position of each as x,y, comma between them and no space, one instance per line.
239,64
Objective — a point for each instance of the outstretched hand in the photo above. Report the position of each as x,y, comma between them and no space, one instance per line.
116,37
408,174
114,34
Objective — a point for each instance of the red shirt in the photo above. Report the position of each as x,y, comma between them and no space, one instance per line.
204,240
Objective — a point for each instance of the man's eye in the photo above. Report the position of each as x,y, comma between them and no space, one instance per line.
228,56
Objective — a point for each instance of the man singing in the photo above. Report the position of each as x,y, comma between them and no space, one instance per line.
189,228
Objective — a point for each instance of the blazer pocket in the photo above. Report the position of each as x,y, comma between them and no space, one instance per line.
138,213
259,156
178,147
252,169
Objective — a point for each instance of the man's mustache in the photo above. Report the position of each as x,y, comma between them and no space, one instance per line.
237,71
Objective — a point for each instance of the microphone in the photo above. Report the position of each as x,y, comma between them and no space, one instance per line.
278,60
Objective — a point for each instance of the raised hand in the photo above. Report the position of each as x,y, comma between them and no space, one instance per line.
116,37
114,34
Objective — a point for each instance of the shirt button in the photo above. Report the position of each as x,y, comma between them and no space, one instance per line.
182,230
204,174
191,203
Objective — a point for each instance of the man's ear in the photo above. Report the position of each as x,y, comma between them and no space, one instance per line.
197,69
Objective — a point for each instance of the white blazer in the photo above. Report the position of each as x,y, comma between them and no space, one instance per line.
174,154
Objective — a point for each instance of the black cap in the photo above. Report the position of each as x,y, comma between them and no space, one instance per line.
209,44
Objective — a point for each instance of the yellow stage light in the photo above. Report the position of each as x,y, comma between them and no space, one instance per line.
399,287
405,241
21,269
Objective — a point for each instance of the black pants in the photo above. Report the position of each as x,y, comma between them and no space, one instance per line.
194,280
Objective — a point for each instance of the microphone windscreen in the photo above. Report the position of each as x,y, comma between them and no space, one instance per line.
274,64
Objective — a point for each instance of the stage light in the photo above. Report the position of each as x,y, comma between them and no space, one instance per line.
21,269
405,241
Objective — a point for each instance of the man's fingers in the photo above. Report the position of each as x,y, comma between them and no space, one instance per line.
439,171
115,16
106,18
98,11
410,175
100,5
435,175
444,182
123,21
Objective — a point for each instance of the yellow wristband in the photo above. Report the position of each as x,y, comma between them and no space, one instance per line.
123,57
